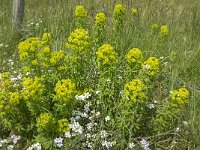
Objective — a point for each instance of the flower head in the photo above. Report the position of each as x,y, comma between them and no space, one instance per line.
63,125
106,55
135,90
100,19
134,11
58,142
78,40
144,144
151,66
15,138
45,121
65,90
134,57
154,26
119,10
46,38
179,96
164,30
36,146
30,45
32,88
80,12
14,98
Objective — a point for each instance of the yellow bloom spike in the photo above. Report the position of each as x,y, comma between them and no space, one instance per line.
134,57
65,90
151,66
44,121
179,97
80,12
135,90
106,55
14,98
78,40
119,10
63,125
100,19
134,11
164,30
154,26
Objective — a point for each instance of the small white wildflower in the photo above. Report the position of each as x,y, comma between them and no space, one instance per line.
10,62
67,134
19,76
165,63
103,134
144,144
27,73
15,138
146,67
89,126
58,142
84,115
10,147
98,113
185,123
108,144
131,145
150,106
97,92
83,97
119,77
108,80
3,142
161,57
87,107
107,118
77,117
177,129
36,146
88,135
76,128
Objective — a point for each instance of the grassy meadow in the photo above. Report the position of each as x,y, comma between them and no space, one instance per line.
122,122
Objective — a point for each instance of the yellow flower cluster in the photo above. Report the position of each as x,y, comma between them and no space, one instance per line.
56,57
106,55
2,105
14,98
5,75
154,26
44,121
119,10
100,19
78,40
47,38
30,45
5,82
134,11
32,88
179,96
164,30
34,62
135,90
151,66
80,12
63,125
65,90
134,57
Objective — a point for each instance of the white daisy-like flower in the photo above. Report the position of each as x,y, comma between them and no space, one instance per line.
107,118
